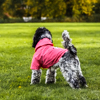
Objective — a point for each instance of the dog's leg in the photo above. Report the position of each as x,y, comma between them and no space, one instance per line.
82,81
36,76
69,72
76,64
81,77
70,76
50,76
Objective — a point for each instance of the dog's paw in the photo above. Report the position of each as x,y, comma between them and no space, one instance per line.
49,82
35,81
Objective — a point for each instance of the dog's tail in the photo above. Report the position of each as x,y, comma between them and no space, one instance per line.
67,42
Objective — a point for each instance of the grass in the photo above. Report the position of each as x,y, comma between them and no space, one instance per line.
16,54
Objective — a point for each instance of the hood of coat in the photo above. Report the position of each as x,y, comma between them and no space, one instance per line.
43,42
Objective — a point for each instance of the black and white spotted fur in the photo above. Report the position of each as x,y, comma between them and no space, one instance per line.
69,63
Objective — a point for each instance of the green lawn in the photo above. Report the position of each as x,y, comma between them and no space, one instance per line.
16,54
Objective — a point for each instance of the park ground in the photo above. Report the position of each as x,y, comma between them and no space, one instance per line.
16,54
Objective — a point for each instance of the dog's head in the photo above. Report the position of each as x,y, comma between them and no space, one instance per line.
41,33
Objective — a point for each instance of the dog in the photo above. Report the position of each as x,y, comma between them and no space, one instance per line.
50,57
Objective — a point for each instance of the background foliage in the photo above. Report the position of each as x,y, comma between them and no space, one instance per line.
61,9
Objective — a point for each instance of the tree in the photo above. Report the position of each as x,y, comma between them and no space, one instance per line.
97,7
83,7
35,8
57,8
79,7
46,8
49,8
1,8
69,8
14,7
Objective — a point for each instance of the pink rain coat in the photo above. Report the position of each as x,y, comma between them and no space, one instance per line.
46,55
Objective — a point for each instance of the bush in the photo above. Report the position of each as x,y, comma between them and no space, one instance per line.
93,18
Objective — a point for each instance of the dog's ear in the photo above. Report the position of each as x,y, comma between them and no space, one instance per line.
34,42
36,36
